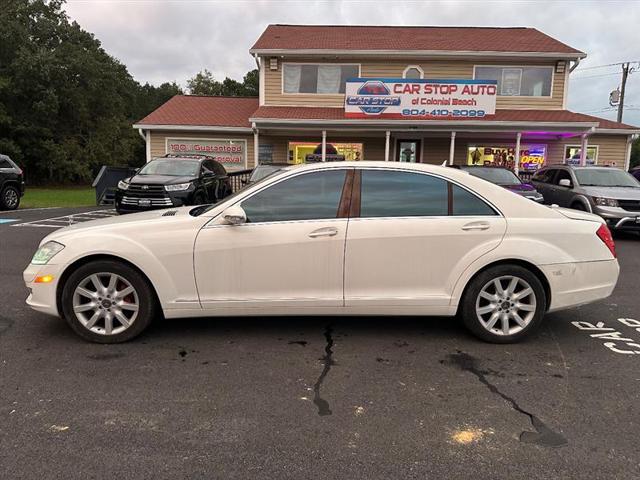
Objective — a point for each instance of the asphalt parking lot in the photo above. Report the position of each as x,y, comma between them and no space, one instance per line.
316,397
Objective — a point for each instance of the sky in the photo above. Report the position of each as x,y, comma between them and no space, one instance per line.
163,41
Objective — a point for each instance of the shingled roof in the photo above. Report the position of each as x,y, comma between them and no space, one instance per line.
194,110
424,39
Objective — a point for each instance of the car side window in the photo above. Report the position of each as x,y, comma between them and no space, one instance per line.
310,196
544,176
466,203
215,167
562,175
5,163
402,194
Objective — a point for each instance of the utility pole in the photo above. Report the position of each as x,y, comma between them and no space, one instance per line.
625,74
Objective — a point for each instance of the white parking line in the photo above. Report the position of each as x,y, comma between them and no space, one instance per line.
66,220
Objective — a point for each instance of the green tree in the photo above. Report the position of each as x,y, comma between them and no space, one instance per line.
204,83
66,106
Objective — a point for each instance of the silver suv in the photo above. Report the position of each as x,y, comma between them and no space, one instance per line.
611,193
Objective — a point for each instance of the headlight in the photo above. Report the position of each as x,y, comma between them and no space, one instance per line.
178,187
605,202
122,185
46,252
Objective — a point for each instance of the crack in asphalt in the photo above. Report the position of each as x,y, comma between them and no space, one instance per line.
543,435
327,361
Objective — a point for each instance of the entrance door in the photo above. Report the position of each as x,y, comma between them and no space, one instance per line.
408,151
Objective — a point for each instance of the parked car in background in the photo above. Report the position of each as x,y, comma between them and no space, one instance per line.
11,184
636,173
264,169
609,192
173,181
505,178
344,238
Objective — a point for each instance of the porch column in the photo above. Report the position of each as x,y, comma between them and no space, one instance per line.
324,145
386,145
516,168
583,149
452,147
255,146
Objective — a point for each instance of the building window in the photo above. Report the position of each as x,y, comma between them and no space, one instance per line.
326,78
532,157
413,71
572,154
518,81
301,152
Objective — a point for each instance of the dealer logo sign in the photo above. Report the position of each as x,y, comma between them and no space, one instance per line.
373,98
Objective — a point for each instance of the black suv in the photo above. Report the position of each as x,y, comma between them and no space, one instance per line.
11,184
173,181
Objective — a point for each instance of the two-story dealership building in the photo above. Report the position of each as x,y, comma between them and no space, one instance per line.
458,95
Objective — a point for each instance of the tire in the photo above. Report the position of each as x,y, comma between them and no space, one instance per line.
482,295
95,302
198,199
9,198
579,206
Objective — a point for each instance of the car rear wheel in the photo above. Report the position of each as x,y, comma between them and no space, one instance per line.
504,304
9,198
108,302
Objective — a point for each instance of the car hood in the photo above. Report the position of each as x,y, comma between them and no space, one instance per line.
133,222
159,179
620,193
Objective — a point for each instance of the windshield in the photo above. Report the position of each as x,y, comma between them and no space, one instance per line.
499,176
171,167
600,177
262,171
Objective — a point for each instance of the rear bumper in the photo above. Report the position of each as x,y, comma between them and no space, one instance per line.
574,284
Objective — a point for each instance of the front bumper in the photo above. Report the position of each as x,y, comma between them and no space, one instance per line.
130,203
42,296
618,218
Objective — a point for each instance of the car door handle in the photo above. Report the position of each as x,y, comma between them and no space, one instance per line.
476,226
324,232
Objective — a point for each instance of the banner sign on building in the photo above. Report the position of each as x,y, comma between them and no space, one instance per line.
230,153
419,98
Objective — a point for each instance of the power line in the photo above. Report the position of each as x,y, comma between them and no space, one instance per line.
607,65
596,76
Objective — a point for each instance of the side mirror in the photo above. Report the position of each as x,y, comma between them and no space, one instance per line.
565,182
234,215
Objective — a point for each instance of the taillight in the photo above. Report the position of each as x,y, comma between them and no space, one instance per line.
605,235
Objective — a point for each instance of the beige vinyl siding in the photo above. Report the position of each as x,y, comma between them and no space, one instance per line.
454,69
158,141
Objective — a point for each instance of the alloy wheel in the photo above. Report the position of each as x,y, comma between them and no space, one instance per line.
106,303
506,305
10,198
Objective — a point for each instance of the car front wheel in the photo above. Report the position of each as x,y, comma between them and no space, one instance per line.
504,304
9,198
107,302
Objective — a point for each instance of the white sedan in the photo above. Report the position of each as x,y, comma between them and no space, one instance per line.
365,238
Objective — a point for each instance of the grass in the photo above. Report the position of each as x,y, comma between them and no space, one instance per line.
35,197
